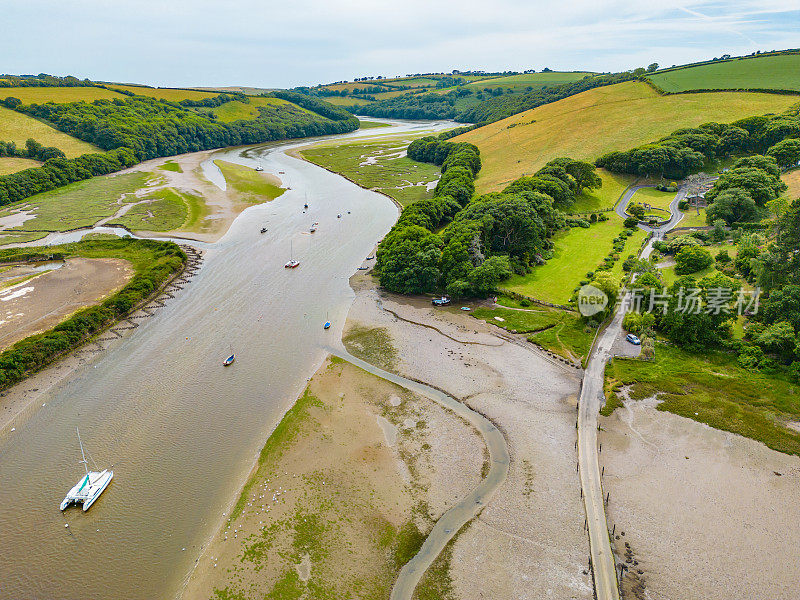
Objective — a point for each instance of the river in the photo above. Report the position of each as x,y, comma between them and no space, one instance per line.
181,431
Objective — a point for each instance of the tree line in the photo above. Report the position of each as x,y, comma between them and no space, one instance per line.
464,244
44,80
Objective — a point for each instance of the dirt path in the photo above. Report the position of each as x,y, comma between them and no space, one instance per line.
40,303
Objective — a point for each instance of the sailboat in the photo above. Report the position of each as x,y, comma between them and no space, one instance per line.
327,322
89,488
292,262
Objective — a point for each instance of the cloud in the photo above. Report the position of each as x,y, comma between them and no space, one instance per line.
270,43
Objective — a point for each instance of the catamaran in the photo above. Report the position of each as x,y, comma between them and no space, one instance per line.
89,488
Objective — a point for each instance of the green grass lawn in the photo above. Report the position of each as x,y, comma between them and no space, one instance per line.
693,218
171,165
252,185
577,251
606,196
654,198
376,165
167,211
781,72
79,204
12,164
711,388
560,331
16,127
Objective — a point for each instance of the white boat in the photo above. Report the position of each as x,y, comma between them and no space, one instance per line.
292,262
90,486
259,168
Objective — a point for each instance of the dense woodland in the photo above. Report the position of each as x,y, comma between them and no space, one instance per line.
139,128
467,244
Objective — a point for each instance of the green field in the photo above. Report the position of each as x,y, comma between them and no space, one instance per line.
533,80
167,209
59,95
16,127
691,218
792,179
713,389
560,331
589,124
79,204
371,124
577,251
780,72
12,164
164,93
234,111
378,166
252,186
606,196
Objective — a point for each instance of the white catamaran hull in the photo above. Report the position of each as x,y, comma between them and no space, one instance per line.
88,489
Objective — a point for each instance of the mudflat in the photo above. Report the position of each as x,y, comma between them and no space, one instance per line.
42,301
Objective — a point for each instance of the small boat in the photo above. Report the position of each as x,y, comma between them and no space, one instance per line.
327,325
229,361
89,488
305,205
292,264
338,216
371,257
263,230
259,168
313,229
363,268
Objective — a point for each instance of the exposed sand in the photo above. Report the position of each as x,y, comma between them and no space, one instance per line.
528,542
40,303
367,460
705,512
223,205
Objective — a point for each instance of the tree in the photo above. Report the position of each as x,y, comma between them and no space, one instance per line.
691,259
408,260
485,277
637,210
718,233
652,67
734,205
761,185
786,152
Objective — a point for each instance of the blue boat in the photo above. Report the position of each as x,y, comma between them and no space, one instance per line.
327,325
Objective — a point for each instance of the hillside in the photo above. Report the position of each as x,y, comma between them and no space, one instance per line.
608,118
16,127
776,72
37,95
171,94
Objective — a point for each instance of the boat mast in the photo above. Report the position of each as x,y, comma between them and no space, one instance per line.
83,454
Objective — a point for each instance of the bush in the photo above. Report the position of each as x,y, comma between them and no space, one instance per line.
631,222
691,259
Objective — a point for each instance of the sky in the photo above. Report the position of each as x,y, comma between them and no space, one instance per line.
267,43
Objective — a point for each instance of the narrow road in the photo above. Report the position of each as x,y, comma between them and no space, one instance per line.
604,568
465,509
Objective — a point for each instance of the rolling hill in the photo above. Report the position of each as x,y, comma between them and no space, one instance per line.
16,127
773,72
608,118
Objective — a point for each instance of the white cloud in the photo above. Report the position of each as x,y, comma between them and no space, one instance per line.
285,43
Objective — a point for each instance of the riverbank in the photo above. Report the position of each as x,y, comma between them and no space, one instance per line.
700,508
344,492
530,534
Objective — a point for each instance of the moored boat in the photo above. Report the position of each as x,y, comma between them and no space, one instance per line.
229,360
292,264
89,488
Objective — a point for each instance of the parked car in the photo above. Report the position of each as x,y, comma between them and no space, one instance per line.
443,301
633,339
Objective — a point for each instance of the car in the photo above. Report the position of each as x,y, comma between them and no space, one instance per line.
443,301
633,339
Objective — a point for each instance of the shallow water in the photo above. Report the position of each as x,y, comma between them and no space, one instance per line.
180,431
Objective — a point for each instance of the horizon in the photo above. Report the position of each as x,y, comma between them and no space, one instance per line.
215,46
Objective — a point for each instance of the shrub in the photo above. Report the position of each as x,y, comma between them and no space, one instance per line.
691,259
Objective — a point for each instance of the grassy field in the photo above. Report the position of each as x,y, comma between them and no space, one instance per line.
12,164
577,251
713,389
534,80
168,210
653,197
252,186
609,118
376,165
792,179
79,204
693,218
59,95
346,101
606,196
371,124
16,127
560,331
164,93
781,72
234,111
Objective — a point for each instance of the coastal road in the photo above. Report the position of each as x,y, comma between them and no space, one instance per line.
589,404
